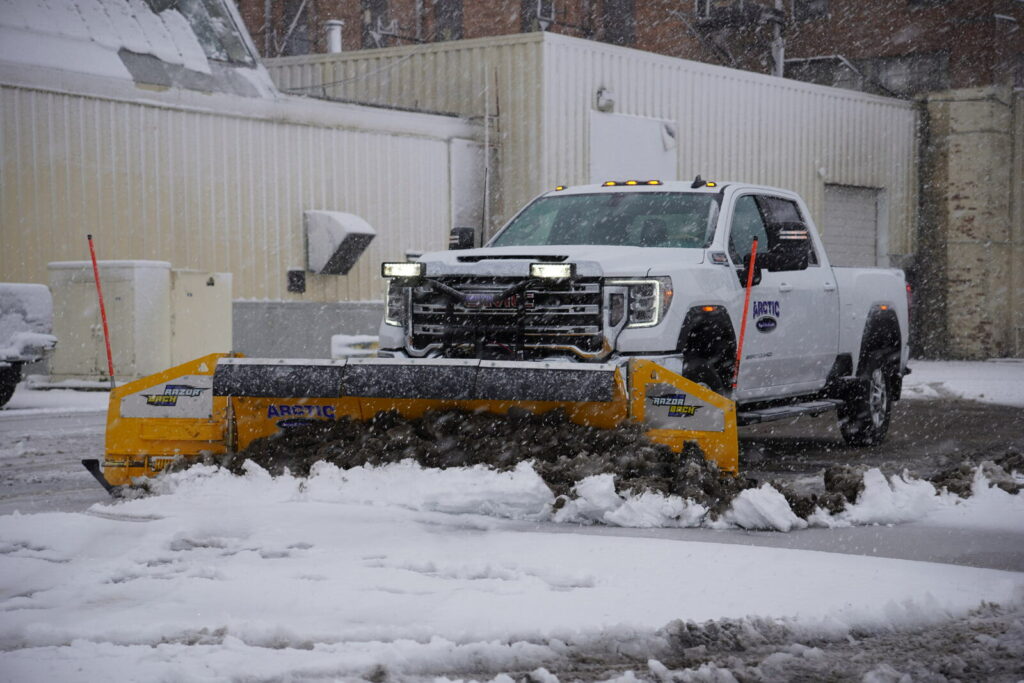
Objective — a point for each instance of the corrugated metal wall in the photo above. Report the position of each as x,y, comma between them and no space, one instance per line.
736,125
207,190
496,76
732,124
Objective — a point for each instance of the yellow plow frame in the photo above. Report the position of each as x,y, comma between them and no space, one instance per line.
219,403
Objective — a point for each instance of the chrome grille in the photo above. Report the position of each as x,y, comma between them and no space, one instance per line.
558,318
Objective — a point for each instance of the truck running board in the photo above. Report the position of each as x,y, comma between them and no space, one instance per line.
812,408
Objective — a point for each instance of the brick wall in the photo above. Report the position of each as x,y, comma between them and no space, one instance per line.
970,246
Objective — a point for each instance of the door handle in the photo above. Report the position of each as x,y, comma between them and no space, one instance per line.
830,286
785,287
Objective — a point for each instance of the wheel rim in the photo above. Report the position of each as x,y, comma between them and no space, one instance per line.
878,398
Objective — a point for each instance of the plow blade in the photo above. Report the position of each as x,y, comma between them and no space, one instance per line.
220,404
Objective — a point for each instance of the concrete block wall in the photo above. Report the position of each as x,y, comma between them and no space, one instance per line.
970,242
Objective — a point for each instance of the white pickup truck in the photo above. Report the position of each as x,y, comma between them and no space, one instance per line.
659,271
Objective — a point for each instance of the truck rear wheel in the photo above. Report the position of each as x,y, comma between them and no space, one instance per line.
864,419
10,375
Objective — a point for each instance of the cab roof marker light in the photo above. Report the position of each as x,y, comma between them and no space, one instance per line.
559,188
632,182
609,183
653,182
711,184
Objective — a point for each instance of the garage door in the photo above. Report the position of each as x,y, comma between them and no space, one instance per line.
850,230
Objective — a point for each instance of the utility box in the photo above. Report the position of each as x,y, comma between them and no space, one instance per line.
157,316
200,314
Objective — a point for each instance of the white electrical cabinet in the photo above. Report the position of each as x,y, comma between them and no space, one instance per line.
158,317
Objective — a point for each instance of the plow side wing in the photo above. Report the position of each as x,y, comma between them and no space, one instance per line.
675,410
154,419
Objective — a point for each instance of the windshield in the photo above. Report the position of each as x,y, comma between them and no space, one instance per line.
635,219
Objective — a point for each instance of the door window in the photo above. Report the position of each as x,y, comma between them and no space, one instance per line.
747,223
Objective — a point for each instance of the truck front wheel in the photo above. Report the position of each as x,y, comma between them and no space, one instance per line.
864,419
702,371
10,375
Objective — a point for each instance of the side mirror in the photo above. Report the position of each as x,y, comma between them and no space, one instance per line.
745,271
791,244
462,238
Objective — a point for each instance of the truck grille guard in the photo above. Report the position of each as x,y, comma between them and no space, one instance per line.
506,318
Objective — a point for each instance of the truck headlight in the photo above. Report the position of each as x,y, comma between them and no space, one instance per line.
396,304
649,299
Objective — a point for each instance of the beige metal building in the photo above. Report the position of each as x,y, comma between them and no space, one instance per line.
164,153
559,108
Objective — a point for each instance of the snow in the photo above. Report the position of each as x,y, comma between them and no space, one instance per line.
994,381
26,319
28,401
86,35
223,576
761,508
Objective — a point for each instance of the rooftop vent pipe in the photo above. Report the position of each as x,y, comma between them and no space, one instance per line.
333,28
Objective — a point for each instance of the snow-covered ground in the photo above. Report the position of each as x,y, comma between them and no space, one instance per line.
401,572
27,401
994,381
225,577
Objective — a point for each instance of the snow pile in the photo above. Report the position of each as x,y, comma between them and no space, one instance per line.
994,381
254,576
521,493
26,319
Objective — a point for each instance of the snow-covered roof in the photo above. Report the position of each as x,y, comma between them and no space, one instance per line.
190,44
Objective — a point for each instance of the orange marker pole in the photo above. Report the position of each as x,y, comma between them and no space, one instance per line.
746,309
103,311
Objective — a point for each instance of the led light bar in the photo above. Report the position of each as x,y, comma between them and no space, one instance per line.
553,271
630,183
409,270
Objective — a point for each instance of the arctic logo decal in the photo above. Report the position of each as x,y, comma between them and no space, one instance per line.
676,405
763,308
766,315
284,410
171,394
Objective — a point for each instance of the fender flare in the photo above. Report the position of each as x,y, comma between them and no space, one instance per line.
703,327
882,333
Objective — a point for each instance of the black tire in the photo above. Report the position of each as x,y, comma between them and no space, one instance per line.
702,371
864,419
10,375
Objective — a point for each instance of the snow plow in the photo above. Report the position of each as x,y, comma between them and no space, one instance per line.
219,404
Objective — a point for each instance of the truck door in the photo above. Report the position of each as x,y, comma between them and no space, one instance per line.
811,301
791,327
759,366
